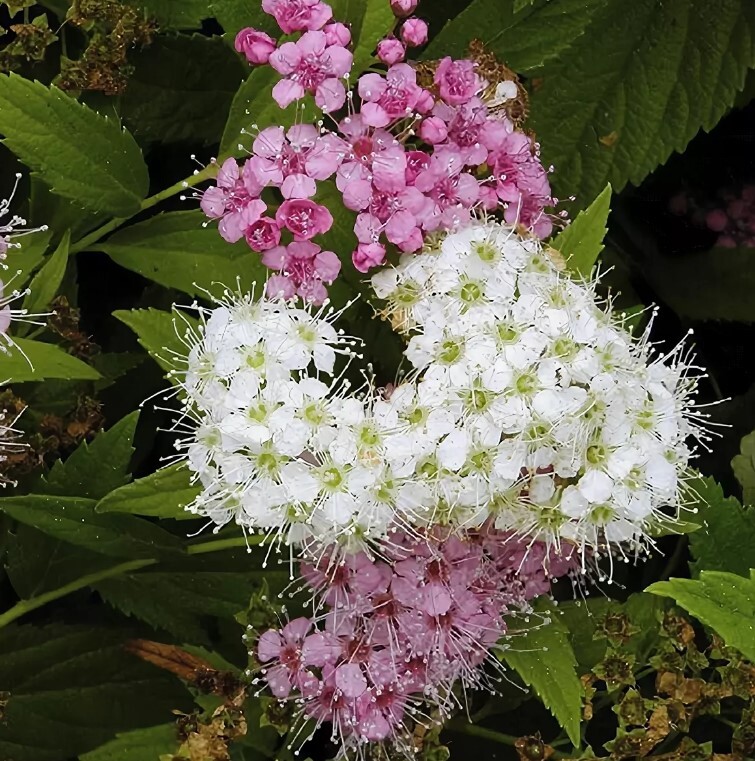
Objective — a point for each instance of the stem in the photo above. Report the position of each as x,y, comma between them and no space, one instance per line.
205,174
22,607
459,724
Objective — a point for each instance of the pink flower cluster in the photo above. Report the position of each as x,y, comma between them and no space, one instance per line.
409,161
402,630
733,217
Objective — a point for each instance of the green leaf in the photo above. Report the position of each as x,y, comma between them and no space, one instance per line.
182,88
34,361
73,520
640,83
544,658
79,153
744,468
723,601
234,15
95,469
370,22
582,241
46,282
254,105
27,258
708,285
176,596
72,688
188,14
581,617
524,34
162,334
163,494
138,745
36,563
728,541
177,251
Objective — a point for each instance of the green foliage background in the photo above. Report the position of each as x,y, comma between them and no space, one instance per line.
98,556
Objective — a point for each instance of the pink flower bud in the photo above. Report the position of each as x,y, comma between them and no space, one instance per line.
403,8
716,220
391,51
433,130
255,45
337,34
414,32
368,255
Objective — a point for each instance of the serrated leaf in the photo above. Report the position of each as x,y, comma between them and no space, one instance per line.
582,241
177,251
370,22
138,745
728,541
182,88
743,466
73,520
163,494
640,83
162,334
72,688
79,153
94,470
707,285
544,658
28,360
723,601
44,286
523,34
253,104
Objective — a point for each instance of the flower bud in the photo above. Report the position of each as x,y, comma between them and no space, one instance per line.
255,45
433,130
403,8
414,32
337,34
391,51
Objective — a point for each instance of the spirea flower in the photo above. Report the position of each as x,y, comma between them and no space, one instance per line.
557,423
396,632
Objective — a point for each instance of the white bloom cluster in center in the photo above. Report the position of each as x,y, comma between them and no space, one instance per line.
530,407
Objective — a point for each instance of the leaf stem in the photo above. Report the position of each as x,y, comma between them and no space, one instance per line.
205,174
22,607
461,725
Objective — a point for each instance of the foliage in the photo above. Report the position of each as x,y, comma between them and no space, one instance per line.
121,619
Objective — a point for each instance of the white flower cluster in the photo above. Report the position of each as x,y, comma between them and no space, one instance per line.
529,407
557,423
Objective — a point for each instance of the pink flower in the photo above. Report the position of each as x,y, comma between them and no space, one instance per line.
433,130
298,15
386,99
414,32
457,80
451,191
717,220
280,159
303,269
391,51
403,8
304,218
285,647
337,34
255,45
368,255
311,65
263,234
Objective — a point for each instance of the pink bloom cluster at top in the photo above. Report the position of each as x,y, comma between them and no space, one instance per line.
401,630
408,161
733,219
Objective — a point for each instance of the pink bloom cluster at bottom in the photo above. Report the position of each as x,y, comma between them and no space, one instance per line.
403,629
